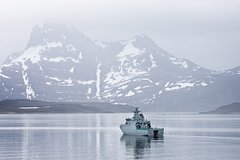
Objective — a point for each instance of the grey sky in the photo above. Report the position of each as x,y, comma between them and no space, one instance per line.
206,32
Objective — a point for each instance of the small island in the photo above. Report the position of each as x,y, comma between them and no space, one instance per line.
22,106
233,108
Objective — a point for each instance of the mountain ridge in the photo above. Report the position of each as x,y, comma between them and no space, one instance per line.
60,64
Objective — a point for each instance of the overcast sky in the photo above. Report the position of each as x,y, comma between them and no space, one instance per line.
206,32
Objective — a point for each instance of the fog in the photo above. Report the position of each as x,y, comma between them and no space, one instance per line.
206,32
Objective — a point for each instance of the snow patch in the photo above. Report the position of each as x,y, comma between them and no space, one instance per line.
33,53
204,84
137,88
89,91
139,91
6,65
59,59
129,50
179,61
114,77
4,76
160,92
29,91
53,78
166,84
40,68
98,81
130,93
179,85
154,64
56,59
108,95
80,55
128,67
123,87
71,70
119,95
86,82
5,89
49,83
68,82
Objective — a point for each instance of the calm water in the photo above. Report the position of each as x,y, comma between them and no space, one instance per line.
97,136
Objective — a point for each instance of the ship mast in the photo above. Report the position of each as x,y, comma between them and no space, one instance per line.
136,114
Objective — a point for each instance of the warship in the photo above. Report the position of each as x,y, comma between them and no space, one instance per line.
139,126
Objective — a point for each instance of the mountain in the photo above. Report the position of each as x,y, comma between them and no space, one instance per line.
233,108
34,106
61,64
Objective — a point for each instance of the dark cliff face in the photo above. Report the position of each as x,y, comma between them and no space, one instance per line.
61,64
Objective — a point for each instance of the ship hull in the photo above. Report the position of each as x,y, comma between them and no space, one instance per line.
154,132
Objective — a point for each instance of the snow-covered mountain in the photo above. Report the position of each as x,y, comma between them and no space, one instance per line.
61,64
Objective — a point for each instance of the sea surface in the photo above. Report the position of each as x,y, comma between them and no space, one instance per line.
97,136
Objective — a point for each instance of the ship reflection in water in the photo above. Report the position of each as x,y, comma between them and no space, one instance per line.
139,145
